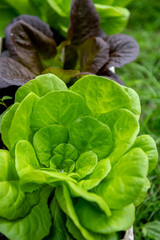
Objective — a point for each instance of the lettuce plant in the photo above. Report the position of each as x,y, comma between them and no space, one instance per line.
56,13
31,48
74,167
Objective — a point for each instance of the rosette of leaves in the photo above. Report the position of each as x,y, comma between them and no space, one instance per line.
56,13
75,167
31,48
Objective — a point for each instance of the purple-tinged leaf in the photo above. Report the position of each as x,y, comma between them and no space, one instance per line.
84,21
122,50
31,47
93,54
13,73
31,20
5,54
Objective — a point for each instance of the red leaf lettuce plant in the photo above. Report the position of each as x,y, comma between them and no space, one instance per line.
75,167
31,48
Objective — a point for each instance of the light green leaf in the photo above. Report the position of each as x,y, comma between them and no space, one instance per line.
46,139
116,18
95,220
61,7
41,85
14,203
77,191
86,163
126,180
66,150
19,127
36,225
65,202
143,192
7,168
102,95
124,127
6,123
148,145
101,170
135,106
87,133
25,158
61,107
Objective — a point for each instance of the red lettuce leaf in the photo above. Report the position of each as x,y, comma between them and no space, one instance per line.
84,21
13,73
122,50
93,54
30,46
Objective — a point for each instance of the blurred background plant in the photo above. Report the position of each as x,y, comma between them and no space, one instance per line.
144,76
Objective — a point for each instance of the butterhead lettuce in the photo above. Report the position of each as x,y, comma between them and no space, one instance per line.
74,168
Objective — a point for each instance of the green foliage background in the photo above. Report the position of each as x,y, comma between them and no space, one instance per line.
144,76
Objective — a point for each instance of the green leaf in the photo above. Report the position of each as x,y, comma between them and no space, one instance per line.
13,201
148,145
6,123
64,75
143,192
92,135
152,230
101,170
22,7
86,163
73,230
58,230
6,98
61,107
7,168
35,225
102,95
66,150
124,127
126,180
66,204
46,139
136,106
41,85
25,158
7,13
116,18
99,223
21,119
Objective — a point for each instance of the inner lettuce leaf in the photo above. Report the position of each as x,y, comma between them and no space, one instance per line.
74,160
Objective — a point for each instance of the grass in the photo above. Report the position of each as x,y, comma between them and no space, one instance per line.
143,75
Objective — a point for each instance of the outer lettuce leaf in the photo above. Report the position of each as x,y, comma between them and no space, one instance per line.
100,99
36,225
44,83
126,179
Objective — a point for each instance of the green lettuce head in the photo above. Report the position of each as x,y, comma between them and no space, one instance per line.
74,168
